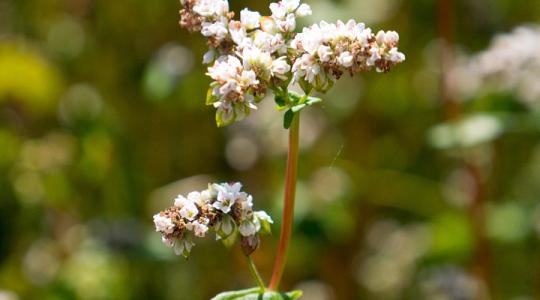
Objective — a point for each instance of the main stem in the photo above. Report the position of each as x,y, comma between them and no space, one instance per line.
288,205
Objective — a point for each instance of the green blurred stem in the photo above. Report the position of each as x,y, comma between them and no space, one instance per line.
288,205
255,273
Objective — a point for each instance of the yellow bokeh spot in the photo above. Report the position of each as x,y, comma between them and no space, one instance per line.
27,78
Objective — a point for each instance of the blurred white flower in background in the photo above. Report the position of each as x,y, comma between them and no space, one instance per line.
169,64
510,63
385,271
316,290
66,37
450,282
8,295
81,102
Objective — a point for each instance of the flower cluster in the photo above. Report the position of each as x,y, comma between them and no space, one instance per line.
250,56
222,208
512,62
325,51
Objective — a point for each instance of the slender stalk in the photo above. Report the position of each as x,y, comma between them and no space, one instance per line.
482,262
288,205
255,273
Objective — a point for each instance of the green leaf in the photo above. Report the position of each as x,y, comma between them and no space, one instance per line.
313,100
210,97
306,86
231,295
288,118
295,98
224,118
255,294
266,227
298,107
231,239
281,101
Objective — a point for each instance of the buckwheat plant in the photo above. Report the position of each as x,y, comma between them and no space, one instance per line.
249,59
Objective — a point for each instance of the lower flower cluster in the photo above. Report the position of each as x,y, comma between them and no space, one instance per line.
222,208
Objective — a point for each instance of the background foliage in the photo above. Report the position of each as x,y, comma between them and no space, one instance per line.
102,122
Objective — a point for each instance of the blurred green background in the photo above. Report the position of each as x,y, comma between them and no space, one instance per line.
406,191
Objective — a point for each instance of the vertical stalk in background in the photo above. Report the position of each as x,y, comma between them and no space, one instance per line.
288,203
481,264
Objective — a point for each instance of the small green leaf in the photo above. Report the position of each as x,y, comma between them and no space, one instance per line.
281,101
224,118
313,100
266,227
210,97
255,294
298,107
232,295
306,86
288,118
294,97
231,239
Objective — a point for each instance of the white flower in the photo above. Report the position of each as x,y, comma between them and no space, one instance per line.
217,29
250,19
325,53
268,24
375,56
245,204
198,228
380,37
306,67
303,10
179,201
225,68
247,228
280,67
239,34
391,38
345,59
262,215
290,5
365,35
255,57
278,10
196,197
224,205
206,196
230,86
227,195
209,56
395,55
209,8
189,211
248,78
268,42
288,24
163,224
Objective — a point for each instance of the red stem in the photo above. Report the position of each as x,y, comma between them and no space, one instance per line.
288,206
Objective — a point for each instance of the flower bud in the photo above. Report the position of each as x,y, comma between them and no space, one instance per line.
249,244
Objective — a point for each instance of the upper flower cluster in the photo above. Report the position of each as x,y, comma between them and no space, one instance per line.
325,51
223,208
258,53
